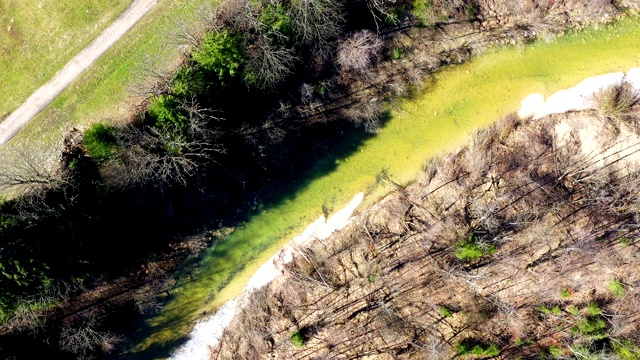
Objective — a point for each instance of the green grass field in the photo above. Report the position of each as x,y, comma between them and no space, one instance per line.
459,100
37,38
106,91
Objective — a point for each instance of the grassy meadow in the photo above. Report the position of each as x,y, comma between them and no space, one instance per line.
37,38
107,91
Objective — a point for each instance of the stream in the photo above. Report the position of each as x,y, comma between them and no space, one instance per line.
452,104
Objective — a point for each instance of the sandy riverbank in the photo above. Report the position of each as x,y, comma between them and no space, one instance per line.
207,332
577,98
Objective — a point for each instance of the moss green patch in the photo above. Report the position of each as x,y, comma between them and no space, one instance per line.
616,288
440,119
297,339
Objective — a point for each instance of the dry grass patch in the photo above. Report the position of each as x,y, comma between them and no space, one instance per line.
617,101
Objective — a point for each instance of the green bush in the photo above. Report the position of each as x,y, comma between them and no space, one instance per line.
546,311
626,350
593,329
593,309
397,53
565,293
555,352
221,53
573,310
525,342
7,221
166,111
100,141
188,82
624,241
17,279
298,339
616,288
471,347
422,11
445,311
471,249
277,22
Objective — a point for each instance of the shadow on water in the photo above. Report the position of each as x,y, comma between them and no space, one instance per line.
318,153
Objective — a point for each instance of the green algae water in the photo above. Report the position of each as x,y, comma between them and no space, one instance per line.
440,119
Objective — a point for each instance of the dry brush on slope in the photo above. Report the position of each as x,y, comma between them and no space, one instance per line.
523,244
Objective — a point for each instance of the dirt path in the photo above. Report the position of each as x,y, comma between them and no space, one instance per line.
48,92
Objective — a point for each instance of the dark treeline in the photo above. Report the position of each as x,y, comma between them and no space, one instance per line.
268,89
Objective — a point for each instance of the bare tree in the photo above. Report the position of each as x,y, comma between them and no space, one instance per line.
152,79
144,159
238,14
359,51
380,11
316,20
86,338
34,172
267,64
163,156
365,114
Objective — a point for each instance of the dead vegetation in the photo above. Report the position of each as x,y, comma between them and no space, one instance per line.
560,214
617,102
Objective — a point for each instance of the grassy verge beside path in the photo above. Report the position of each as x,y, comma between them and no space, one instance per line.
38,37
104,92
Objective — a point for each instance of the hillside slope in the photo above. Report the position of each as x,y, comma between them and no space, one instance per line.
521,245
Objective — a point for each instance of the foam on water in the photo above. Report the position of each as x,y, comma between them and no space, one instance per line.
577,98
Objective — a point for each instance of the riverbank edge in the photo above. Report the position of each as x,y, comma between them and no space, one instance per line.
208,332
